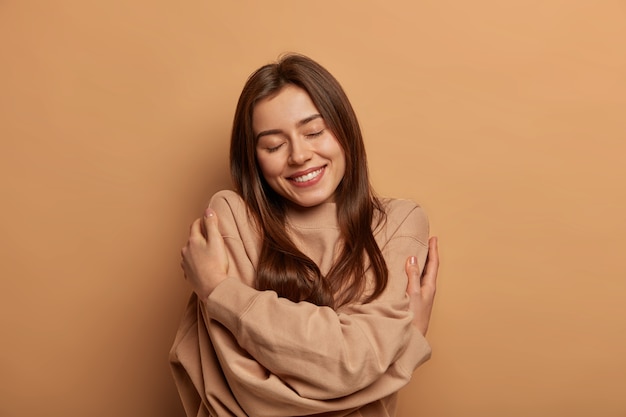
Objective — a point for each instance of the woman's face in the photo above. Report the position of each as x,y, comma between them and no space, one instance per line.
299,156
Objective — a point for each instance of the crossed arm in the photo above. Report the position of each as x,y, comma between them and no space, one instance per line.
372,352
205,265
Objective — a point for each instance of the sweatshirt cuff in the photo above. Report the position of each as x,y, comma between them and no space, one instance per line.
417,352
229,301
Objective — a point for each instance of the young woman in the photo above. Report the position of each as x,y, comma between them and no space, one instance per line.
300,302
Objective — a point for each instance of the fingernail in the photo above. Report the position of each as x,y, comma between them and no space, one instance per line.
413,260
209,212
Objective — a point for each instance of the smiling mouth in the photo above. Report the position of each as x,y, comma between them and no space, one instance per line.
308,176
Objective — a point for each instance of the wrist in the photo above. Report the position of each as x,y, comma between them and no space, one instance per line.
205,292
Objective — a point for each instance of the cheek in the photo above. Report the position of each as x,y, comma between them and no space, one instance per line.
339,156
343,163
330,148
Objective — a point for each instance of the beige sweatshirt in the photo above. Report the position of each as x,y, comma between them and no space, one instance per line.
245,352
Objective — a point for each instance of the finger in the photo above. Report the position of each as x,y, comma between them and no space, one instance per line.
210,224
413,275
195,232
429,277
203,224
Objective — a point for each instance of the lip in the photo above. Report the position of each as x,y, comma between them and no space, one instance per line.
312,181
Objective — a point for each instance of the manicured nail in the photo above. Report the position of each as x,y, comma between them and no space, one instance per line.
209,212
413,260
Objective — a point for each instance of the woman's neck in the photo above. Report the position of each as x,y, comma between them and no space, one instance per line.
322,215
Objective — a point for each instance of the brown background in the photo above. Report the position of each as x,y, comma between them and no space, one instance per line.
505,120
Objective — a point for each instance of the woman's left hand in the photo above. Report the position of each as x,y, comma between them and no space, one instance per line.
421,288
204,258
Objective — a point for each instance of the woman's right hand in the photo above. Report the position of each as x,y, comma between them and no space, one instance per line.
421,288
204,259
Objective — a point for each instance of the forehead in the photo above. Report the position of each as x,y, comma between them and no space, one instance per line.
284,109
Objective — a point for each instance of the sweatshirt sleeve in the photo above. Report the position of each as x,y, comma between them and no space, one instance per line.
314,357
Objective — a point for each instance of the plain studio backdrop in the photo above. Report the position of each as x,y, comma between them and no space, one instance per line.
506,121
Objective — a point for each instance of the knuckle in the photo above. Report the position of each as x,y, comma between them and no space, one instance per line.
193,240
413,271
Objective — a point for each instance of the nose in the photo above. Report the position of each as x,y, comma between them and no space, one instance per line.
300,152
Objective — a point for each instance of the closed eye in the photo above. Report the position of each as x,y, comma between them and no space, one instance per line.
274,148
314,134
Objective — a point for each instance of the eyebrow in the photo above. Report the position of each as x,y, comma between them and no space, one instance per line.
299,124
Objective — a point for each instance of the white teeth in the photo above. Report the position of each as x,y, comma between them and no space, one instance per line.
309,176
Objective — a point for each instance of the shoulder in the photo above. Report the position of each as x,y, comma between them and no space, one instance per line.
231,212
227,202
405,218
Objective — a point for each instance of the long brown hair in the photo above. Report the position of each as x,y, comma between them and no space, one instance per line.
282,266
